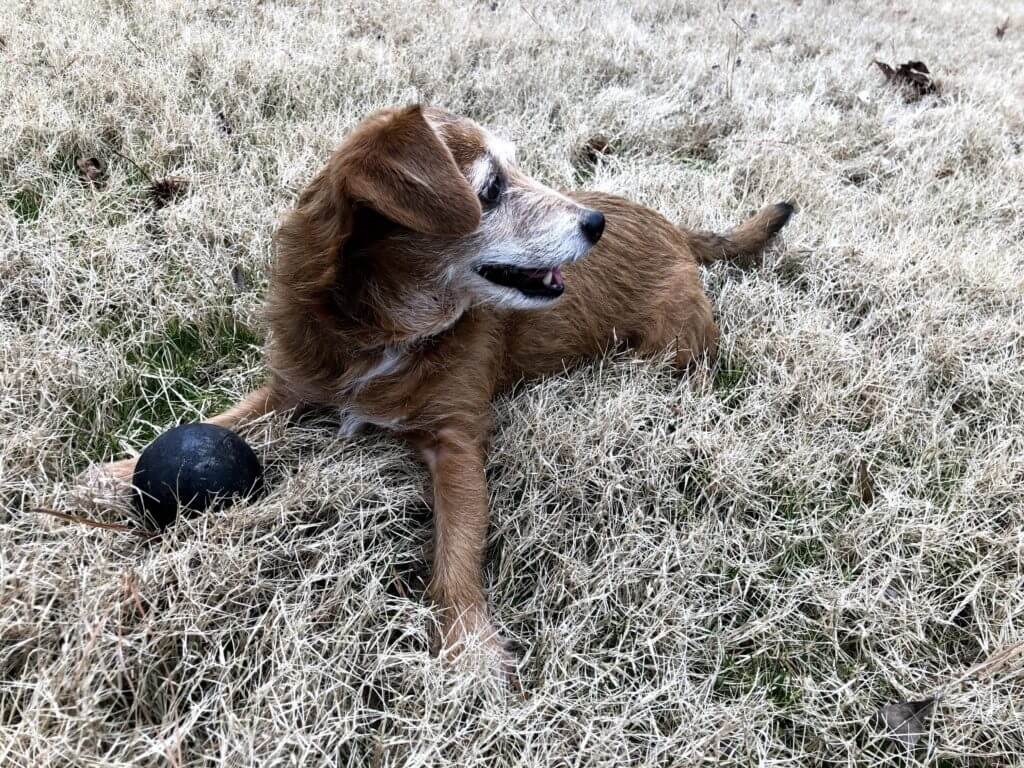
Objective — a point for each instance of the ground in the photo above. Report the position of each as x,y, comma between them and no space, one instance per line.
738,568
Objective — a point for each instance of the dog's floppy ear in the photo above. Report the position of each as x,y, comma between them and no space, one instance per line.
394,163
398,165
308,245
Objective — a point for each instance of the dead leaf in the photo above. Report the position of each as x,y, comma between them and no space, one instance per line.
913,77
90,169
1001,29
907,721
238,278
167,190
865,483
224,124
593,149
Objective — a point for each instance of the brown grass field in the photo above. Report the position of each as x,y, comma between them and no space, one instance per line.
740,568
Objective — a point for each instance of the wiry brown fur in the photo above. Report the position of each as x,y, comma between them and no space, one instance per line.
747,240
363,316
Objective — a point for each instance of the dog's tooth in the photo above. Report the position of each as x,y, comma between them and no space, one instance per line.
548,277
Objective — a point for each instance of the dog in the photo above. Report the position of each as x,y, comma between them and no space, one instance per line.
421,272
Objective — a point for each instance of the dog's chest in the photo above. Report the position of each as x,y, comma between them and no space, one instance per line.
373,396
391,386
389,361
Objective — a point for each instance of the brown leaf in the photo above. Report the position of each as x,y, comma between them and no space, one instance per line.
90,169
591,151
907,721
224,124
865,483
167,190
238,278
1001,29
913,77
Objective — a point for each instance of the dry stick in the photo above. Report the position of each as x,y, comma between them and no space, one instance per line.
996,661
133,588
130,160
68,64
142,532
991,664
530,13
136,46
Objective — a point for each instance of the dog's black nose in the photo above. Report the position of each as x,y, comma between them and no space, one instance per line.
592,224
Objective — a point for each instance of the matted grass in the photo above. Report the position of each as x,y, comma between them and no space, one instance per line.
739,568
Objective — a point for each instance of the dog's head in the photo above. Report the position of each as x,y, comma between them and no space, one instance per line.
417,200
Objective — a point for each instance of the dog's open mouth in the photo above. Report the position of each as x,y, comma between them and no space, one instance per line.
535,283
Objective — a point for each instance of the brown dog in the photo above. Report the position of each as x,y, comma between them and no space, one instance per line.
421,272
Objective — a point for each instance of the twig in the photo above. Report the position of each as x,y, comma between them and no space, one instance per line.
141,532
530,13
130,160
991,664
135,45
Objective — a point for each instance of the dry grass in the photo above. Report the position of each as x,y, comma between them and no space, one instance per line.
738,569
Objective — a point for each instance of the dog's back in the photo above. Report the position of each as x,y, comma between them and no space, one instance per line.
638,287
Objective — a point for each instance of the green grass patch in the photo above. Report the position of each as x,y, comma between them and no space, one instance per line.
730,384
179,374
800,555
62,162
728,378
745,675
26,204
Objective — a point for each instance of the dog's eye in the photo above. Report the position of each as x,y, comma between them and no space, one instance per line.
489,197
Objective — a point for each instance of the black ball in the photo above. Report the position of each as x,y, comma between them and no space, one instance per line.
194,467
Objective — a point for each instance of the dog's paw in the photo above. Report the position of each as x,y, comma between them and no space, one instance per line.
118,471
501,660
474,645
107,483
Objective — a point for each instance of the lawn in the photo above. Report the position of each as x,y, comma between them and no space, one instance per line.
741,567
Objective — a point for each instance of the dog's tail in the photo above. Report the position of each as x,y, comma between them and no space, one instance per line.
746,240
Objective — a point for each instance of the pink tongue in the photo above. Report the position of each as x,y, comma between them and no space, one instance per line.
556,276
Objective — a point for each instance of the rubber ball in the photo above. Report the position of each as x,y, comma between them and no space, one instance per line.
192,468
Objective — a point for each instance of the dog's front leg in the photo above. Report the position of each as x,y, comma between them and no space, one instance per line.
253,405
456,462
